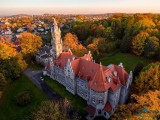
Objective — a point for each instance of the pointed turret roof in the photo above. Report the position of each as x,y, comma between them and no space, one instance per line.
55,22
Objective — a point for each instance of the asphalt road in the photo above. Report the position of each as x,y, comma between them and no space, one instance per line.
34,76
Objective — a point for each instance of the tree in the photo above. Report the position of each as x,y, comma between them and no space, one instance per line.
7,50
142,107
53,110
3,82
151,47
99,45
71,41
117,28
23,98
142,25
128,35
148,79
81,29
109,34
138,69
30,43
10,68
138,43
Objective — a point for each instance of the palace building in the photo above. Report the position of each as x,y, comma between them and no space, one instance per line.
103,87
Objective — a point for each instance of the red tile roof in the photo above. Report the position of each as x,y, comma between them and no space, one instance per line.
100,78
87,57
99,82
108,107
63,58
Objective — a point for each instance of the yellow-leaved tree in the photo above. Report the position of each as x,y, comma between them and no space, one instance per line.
30,43
7,50
148,79
138,43
143,107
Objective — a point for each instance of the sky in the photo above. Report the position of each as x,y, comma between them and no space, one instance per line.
10,7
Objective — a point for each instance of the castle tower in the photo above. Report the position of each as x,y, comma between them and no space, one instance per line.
56,41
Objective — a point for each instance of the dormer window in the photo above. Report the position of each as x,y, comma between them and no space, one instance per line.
95,83
109,79
115,73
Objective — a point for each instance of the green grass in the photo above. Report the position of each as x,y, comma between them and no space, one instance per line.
8,108
75,100
129,61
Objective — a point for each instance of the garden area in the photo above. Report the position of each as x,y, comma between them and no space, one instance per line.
129,61
16,92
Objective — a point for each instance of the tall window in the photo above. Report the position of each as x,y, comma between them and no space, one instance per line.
117,96
93,100
100,100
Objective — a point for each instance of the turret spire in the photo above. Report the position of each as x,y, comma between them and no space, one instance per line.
56,39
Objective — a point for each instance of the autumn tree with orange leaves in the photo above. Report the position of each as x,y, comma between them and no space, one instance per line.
148,79
71,41
30,43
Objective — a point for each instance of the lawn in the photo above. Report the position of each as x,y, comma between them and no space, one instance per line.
129,61
8,108
75,100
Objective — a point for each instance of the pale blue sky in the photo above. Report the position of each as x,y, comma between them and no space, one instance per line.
78,6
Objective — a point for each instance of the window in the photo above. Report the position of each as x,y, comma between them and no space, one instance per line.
93,100
100,100
105,113
99,111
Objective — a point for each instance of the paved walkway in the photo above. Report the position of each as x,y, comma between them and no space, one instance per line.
34,76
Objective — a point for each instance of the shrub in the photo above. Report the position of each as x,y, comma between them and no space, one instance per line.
138,69
23,98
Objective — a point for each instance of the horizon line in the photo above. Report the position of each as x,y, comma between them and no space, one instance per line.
80,13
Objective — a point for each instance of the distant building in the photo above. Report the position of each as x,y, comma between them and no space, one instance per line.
103,87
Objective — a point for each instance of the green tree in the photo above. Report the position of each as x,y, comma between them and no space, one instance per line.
117,28
143,24
151,47
10,68
137,69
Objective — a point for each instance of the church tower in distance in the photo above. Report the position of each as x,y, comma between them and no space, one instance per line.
56,42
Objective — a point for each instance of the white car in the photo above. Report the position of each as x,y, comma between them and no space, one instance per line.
41,78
